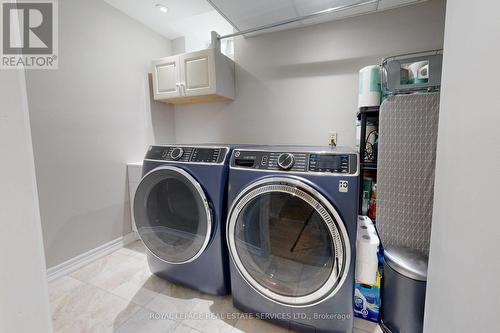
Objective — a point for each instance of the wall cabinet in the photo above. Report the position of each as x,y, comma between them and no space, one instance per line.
195,77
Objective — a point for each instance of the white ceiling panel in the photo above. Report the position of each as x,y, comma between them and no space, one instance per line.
337,15
245,14
248,14
306,7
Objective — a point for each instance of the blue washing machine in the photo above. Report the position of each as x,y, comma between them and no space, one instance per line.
291,234
180,213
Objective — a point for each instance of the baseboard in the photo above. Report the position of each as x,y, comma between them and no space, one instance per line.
83,259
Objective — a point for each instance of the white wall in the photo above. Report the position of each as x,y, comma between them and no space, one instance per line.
179,45
462,291
295,86
89,118
24,305
196,30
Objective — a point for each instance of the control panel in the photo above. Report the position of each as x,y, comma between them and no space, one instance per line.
205,155
329,163
186,154
315,162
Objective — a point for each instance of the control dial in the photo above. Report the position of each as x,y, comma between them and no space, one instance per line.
177,153
286,161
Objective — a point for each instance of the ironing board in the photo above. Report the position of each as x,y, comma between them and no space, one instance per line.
408,128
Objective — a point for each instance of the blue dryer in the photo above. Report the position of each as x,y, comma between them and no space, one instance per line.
179,210
291,234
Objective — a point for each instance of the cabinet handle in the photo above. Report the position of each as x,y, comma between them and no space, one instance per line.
183,88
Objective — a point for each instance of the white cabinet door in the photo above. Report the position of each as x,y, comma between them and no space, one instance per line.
166,78
198,73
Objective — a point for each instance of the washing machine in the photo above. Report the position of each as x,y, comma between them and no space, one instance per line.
180,213
291,234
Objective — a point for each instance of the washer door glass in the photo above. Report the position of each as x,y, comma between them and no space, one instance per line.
286,244
172,215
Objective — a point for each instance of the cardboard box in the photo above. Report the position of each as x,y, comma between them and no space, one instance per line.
367,299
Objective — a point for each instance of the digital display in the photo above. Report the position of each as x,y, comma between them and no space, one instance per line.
328,162
205,155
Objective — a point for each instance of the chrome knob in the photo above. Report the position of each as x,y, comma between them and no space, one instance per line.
177,153
286,161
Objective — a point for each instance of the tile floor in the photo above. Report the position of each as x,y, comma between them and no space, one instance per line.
117,293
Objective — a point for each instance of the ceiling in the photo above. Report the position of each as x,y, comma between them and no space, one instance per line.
244,14
196,18
184,17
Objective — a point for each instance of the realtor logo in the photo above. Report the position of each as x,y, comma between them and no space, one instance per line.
29,34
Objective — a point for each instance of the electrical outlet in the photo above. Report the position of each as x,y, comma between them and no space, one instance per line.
332,139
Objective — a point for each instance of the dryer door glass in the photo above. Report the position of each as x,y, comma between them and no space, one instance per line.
287,244
172,215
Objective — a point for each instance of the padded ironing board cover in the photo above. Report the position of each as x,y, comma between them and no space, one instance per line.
408,127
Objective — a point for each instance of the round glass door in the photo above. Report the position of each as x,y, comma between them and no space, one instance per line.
288,242
172,215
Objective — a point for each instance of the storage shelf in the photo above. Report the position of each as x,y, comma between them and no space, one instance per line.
371,111
363,115
369,165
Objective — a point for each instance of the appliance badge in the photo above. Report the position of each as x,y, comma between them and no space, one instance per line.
343,186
